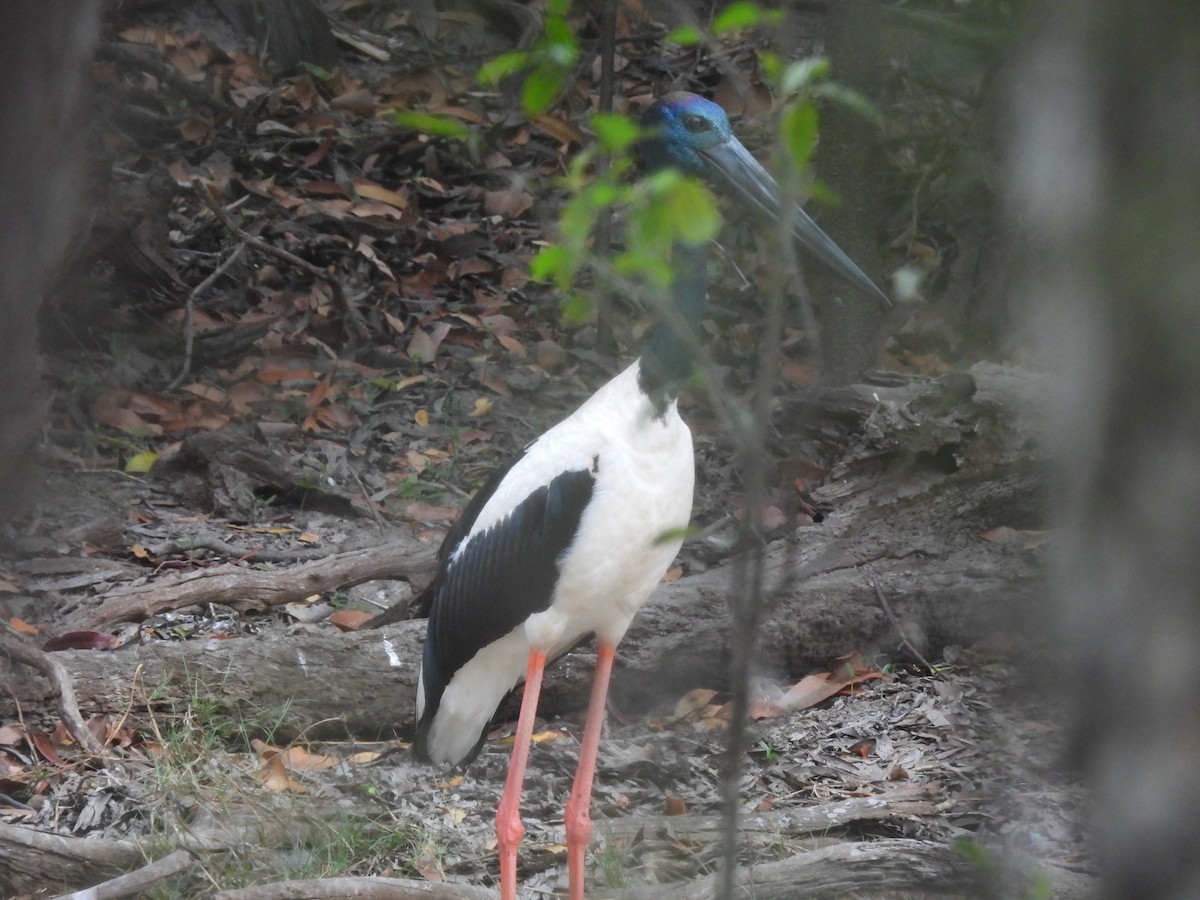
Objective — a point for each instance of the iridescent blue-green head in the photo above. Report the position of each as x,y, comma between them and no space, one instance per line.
692,134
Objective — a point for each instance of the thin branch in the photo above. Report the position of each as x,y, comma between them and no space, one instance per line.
904,641
140,59
136,883
365,888
189,331
352,319
12,645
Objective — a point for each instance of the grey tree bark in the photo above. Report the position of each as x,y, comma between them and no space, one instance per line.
850,160
1106,181
43,50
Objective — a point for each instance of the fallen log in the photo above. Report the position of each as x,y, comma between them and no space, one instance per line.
927,526
868,869
246,588
34,861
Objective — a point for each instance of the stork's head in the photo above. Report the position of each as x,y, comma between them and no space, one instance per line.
693,135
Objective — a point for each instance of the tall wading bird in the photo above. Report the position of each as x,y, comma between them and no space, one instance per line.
571,536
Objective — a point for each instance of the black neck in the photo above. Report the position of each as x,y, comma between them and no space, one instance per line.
668,357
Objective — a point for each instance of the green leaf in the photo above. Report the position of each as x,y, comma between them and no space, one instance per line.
577,308
501,67
140,463
744,14
316,71
770,65
798,132
686,36
803,74
426,123
850,99
615,132
693,212
549,263
541,87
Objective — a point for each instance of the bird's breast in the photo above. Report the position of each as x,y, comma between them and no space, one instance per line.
628,535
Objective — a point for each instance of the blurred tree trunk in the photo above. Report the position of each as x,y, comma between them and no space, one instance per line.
43,50
850,160
1106,167
288,32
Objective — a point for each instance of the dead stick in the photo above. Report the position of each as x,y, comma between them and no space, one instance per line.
368,887
238,586
353,320
15,647
189,330
904,641
138,882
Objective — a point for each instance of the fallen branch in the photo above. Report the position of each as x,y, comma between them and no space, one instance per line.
244,588
189,315
33,862
901,802
138,882
15,648
366,887
888,868
326,685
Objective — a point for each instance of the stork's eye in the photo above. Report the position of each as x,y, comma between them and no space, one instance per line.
695,124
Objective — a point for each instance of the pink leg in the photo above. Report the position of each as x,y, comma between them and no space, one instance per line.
579,818
508,815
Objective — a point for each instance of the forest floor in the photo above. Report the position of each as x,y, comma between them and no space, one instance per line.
204,414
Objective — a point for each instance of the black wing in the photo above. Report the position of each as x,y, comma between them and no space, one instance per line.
460,529
502,577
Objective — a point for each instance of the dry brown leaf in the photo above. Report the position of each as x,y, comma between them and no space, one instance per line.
45,746
359,102
20,625
798,373
510,202
492,381
560,129
692,702
274,777
423,345
350,619
428,867
300,760
1025,539
512,345
79,640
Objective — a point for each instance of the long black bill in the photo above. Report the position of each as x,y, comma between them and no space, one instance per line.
738,173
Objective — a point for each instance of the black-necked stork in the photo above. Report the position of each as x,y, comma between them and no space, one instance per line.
571,536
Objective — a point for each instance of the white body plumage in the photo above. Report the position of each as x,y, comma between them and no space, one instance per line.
628,534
